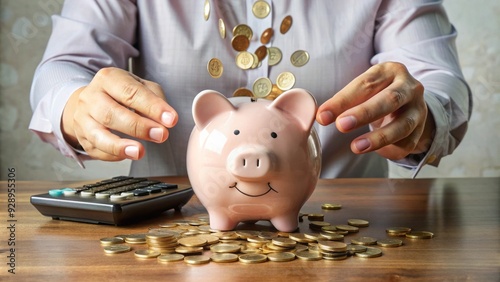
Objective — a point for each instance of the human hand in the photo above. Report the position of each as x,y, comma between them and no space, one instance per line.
120,101
391,101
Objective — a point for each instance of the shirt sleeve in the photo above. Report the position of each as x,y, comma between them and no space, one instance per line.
87,36
419,35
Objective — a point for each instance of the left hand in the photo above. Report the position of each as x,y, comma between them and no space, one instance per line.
391,101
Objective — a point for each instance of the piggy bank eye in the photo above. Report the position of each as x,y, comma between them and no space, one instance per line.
274,135
236,132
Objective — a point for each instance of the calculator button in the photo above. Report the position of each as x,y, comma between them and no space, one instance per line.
69,192
166,186
56,192
86,193
153,189
102,195
117,197
140,192
127,194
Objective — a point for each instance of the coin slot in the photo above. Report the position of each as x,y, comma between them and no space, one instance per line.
258,162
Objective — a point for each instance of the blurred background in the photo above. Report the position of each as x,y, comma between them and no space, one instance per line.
26,26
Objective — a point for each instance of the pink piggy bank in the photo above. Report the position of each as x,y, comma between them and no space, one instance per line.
253,159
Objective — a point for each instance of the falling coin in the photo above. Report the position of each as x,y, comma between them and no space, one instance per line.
262,87
222,29
299,58
285,81
206,10
215,68
266,36
274,54
286,23
261,9
240,42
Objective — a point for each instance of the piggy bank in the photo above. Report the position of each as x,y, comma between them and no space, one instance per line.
253,159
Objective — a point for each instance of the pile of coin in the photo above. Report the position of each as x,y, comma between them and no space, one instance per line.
194,242
245,59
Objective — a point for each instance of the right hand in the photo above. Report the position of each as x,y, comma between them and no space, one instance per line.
117,100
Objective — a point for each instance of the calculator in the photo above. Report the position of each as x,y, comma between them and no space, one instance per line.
118,201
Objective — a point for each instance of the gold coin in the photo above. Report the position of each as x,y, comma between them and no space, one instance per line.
206,10
252,258
300,238
369,253
285,76
243,29
111,241
146,254
299,58
309,256
329,229
358,222
168,225
419,235
285,81
115,249
281,257
274,56
390,243
262,87
284,242
197,259
222,29
244,60
332,236
211,239
261,52
332,246
356,249
348,228
193,241
135,238
364,241
317,225
399,230
266,36
225,248
256,61
242,92
189,250
286,23
224,257
240,43
341,257
170,257
331,206
261,9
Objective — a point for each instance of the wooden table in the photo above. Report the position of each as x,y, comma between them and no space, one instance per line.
464,215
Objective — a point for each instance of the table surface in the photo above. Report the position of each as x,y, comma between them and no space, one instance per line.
464,215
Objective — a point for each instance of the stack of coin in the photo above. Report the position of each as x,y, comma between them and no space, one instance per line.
331,250
162,242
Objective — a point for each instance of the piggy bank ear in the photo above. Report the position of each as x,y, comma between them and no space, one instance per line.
298,103
208,104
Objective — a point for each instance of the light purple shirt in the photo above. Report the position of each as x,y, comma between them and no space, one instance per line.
171,43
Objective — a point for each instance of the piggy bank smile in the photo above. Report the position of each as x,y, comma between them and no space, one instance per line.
270,188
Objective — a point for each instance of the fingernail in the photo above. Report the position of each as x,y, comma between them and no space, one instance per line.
132,152
362,144
167,118
347,123
326,117
156,134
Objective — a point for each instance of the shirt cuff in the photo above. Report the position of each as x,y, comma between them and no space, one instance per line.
433,156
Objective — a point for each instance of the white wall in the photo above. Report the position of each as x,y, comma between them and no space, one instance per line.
25,27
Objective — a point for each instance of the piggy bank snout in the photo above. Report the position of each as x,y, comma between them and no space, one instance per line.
249,162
